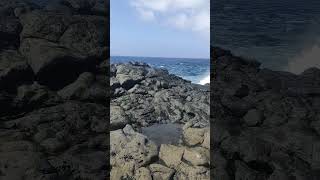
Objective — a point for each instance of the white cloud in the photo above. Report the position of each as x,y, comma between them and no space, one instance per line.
146,15
179,21
191,15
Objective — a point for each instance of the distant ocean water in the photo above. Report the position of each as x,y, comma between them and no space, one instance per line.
194,70
282,34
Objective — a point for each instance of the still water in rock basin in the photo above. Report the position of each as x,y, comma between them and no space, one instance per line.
163,133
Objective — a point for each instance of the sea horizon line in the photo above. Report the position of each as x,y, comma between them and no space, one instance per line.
202,58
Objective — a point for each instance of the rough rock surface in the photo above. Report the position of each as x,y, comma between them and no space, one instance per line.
10,26
54,43
149,96
45,133
134,156
265,124
143,96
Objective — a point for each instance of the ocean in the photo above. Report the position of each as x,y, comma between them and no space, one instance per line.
281,34
195,70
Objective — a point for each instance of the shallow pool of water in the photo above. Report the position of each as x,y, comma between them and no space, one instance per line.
163,133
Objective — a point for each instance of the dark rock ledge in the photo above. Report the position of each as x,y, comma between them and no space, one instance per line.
265,124
53,91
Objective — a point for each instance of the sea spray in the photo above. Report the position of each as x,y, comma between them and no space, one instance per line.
307,59
205,80
194,70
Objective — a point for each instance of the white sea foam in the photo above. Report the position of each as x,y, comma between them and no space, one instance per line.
205,80
308,58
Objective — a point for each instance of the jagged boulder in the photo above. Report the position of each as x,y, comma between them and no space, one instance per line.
55,43
129,152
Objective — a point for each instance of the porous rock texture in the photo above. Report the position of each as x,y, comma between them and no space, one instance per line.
265,124
143,96
149,95
53,91
134,156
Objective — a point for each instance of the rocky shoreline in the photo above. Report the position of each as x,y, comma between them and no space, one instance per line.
54,89
55,94
142,96
265,124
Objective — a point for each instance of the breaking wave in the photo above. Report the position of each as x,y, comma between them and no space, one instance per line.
205,80
307,59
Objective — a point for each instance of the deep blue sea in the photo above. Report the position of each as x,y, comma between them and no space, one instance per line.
195,70
278,33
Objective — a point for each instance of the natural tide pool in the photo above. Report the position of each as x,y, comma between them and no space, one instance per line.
163,133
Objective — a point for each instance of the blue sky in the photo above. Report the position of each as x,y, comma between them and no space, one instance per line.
160,28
